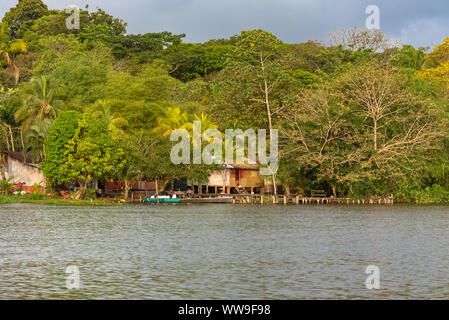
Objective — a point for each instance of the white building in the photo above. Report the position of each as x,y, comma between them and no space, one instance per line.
23,172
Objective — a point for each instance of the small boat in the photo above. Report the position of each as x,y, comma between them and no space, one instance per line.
162,199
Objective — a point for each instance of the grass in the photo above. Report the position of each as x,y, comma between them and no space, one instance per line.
54,201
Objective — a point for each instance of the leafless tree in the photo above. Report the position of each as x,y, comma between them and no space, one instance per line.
315,133
359,38
399,124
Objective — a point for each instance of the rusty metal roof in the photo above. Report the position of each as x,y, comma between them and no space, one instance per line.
20,157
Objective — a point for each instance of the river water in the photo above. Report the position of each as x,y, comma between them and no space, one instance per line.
224,252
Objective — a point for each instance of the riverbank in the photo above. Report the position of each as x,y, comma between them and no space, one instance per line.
54,201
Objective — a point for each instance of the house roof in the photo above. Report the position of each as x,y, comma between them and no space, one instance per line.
20,157
245,166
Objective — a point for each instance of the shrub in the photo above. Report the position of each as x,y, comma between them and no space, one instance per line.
37,187
89,194
6,186
36,196
434,194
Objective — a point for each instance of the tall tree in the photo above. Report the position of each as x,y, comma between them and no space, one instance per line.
41,103
21,17
80,148
34,139
255,57
318,136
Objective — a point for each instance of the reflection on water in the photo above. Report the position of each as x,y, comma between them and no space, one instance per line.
224,251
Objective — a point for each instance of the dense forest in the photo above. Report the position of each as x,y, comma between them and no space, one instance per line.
360,115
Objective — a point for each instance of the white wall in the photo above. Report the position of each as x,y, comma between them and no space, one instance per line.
24,173
220,178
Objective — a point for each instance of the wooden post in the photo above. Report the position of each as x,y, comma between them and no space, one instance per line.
285,200
261,199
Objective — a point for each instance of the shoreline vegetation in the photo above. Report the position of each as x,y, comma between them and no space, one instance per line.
424,198
358,116
55,201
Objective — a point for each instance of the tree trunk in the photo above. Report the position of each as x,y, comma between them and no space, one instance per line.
11,135
267,102
21,141
6,137
157,187
2,167
334,190
83,186
126,190
375,134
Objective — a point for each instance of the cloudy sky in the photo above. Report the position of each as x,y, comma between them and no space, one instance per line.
421,23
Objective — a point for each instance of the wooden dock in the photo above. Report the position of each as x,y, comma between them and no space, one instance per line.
291,199
301,200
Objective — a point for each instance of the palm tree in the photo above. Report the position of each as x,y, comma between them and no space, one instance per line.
41,103
128,174
115,122
35,138
173,119
206,122
7,47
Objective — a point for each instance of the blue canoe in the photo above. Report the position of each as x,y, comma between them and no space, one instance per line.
161,200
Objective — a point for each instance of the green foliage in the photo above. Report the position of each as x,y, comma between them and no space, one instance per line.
409,58
40,104
90,153
21,17
6,186
58,137
81,79
89,194
190,61
431,194
36,196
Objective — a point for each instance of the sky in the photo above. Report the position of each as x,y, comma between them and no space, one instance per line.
416,22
